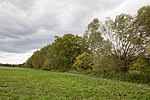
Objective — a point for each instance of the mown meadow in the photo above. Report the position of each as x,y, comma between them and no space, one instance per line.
32,84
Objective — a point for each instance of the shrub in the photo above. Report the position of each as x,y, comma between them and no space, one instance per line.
142,64
83,61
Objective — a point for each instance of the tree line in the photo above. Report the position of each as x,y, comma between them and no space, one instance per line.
118,45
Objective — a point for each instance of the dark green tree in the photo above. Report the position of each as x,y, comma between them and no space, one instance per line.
143,19
37,59
64,50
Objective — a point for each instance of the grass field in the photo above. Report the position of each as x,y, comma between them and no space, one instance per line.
31,84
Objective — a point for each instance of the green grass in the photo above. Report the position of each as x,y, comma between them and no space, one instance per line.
31,84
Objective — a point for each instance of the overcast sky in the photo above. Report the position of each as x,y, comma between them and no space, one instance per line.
28,25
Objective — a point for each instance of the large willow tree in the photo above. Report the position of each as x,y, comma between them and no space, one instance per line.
123,39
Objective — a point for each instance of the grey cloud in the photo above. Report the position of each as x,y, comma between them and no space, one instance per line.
83,11
31,24
22,4
99,5
25,43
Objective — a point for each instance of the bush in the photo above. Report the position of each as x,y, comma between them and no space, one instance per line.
83,62
136,77
142,64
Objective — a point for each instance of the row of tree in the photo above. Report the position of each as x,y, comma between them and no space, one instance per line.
11,65
60,55
116,45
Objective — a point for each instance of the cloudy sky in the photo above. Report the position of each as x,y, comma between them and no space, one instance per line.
28,25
